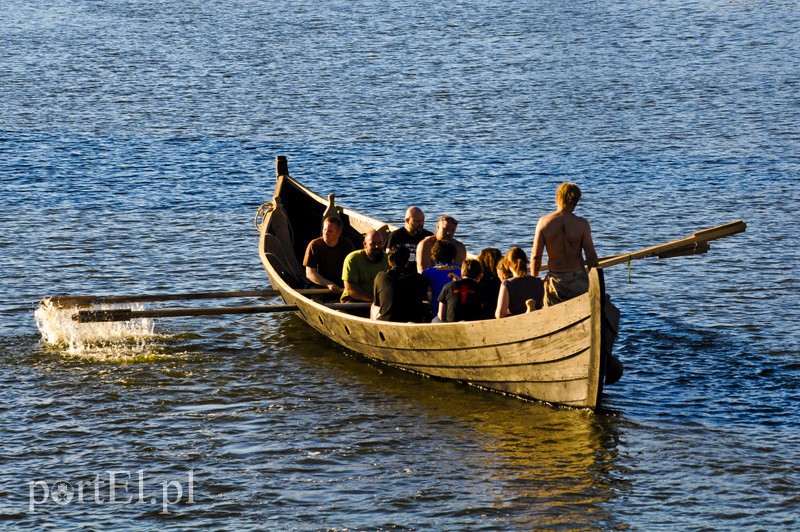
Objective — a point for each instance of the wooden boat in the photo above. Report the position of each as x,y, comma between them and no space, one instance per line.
557,355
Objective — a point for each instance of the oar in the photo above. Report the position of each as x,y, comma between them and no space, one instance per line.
693,245
126,314
87,301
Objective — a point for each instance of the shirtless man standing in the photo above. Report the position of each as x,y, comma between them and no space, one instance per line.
567,239
445,230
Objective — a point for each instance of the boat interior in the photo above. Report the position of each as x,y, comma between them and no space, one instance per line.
296,220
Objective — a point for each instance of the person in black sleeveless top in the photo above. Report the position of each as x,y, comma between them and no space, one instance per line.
521,287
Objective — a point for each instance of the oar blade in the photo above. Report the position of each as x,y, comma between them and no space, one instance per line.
95,316
694,249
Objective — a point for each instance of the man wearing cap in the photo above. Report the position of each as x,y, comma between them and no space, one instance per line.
445,230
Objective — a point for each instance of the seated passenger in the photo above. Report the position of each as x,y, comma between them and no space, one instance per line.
445,230
462,300
444,271
516,291
503,272
490,282
361,267
325,255
399,295
410,235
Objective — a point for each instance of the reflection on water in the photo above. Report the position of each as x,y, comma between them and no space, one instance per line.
556,463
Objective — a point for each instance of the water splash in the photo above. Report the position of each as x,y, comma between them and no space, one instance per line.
121,340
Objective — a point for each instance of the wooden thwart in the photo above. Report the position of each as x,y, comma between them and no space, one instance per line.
126,314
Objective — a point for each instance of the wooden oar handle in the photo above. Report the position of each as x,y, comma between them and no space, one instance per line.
695,244
88,301
126,314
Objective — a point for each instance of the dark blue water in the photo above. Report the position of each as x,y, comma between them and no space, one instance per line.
137,141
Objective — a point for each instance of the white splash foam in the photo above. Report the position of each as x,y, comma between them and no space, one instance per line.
100,340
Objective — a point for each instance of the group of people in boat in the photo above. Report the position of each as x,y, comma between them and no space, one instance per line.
419,276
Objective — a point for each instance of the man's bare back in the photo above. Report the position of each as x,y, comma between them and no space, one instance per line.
567,238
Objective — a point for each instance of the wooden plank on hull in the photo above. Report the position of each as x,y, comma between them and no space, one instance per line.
455,336
578,368
547,349
571,393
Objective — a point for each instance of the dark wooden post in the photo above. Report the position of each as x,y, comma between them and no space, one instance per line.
281,166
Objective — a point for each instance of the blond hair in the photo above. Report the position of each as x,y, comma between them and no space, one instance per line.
517,261
567,194
502,269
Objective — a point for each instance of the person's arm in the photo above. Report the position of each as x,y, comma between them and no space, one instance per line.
538,250
355,292
588,247
382,294
502,302
442,311
315,277
461,253
376,297
423,259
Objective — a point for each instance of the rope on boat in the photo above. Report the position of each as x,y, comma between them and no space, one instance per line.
262,213
267,208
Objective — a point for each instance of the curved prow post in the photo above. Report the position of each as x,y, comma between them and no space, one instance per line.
281,166
333,209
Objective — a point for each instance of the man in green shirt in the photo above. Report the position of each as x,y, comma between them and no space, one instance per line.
361,267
